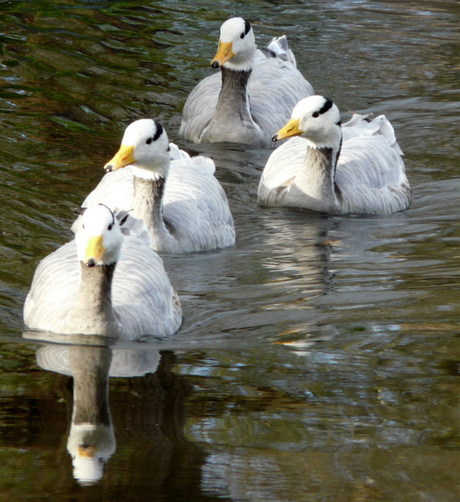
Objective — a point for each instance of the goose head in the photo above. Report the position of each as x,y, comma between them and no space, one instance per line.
144,146
99,237
315,118
90,446
237,45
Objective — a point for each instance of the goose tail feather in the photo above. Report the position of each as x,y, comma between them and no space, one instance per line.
364,125
279,46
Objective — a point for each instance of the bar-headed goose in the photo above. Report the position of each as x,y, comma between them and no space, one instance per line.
253,95
103,283
182,204
364,174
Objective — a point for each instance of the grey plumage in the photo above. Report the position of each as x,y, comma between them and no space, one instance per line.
363,174
182,204
250,99
142,298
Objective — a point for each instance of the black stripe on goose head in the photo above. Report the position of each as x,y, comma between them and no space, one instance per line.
247,27
111,212
158,132
327,106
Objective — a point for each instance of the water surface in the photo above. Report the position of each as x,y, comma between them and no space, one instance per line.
319,358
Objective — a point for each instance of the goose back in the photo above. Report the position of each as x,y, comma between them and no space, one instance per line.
142,296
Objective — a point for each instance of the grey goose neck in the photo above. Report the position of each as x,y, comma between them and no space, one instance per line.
233,95
93,310
148,206
318,175
90,369
232,120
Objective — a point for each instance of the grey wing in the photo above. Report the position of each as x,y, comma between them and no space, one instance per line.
196,206
53,290
280,171
362,125
199,107
370,171
142,294
275,88
371,177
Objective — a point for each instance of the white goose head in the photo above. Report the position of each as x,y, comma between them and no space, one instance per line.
144,146
315,118
237,45
99,237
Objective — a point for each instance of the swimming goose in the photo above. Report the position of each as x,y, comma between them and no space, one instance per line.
103,283
253,95
183,206
363,174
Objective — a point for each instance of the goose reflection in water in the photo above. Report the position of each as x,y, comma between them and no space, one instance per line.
91,440
151,413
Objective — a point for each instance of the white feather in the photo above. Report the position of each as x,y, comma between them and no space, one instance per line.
275,86
142,296
370,176
194,202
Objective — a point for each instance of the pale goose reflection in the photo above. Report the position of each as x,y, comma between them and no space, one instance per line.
319,265
91,440
90,361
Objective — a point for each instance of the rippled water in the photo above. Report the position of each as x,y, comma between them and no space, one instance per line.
319,358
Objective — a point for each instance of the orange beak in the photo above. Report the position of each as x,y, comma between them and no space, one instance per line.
223,54
94,249
86,452
124,157
289,130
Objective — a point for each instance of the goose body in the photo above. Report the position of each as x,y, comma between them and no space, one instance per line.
103,283
251,97
354,168
182,204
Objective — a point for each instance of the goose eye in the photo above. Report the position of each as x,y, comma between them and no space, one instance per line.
109,227
242,35
315,114
149,141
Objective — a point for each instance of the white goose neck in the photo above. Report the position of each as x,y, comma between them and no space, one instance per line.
147,173
316,178
243,66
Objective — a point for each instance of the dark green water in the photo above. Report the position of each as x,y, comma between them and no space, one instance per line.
319,358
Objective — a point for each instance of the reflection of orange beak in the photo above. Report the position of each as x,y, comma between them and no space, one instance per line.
94,249
86,451
289,130
223,54
124,157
